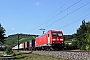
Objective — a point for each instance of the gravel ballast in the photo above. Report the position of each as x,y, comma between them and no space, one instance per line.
71,55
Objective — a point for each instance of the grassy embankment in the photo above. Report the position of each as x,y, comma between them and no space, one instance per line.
24,56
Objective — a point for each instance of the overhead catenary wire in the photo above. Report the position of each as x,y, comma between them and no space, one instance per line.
57,10
68,14
75,21
62,11
58,13
50,15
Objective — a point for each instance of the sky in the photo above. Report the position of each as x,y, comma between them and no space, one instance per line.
29,16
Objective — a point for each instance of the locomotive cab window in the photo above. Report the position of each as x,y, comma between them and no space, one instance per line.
59,34
54,34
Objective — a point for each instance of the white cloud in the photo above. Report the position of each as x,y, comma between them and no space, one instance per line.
37,3
13,28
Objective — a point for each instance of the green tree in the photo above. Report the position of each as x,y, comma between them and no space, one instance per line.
81,36
2,34
88,36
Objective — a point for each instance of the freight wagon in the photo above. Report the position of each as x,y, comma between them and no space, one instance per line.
29,45
16,47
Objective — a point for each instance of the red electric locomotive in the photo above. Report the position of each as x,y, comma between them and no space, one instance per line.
52,40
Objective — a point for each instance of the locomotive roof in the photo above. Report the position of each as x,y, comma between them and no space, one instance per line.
55,30
51,31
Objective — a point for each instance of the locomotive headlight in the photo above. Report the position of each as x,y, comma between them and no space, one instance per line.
53,39
61,39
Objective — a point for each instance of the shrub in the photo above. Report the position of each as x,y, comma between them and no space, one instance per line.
9,50
71,45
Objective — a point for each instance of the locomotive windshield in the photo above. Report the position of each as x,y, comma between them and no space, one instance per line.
59,34
56,34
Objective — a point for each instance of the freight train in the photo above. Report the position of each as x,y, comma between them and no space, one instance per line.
52,40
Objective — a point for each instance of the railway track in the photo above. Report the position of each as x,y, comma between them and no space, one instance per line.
70,55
